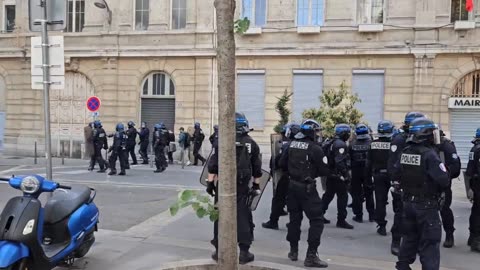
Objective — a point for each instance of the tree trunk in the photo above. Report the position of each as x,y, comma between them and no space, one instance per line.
227,257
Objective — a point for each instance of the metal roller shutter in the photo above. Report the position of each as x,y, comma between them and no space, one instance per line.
370,88
307,89
156,110
251,98
463,124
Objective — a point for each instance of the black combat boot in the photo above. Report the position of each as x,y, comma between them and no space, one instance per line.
395,247
122,173
215,255
312,260
449,241
102,170
344,225
245,256
358,219
475,244
112,172
293,254
382,230
270,225
469,242
325,220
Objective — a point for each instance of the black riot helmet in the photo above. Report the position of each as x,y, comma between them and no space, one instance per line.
292,130
409,117
342,131
362,131
423,130
385,129
130,124
241,123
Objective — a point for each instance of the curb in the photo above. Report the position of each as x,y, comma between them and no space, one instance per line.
212,265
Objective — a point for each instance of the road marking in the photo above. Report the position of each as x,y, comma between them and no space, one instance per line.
72,172
14,169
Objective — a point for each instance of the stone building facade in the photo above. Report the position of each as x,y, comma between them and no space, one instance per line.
157,59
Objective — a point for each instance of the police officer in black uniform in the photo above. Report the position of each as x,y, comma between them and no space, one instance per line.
376,165
303,161
472,178
99,142
339,179
396,147
362,184
214,135
279,200
249,165
117,150
448,155
161,141
144,141
131,141
422,178
198,138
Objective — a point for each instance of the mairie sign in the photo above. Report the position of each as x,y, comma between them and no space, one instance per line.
464,103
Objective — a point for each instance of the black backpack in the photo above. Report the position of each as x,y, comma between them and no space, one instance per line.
188,138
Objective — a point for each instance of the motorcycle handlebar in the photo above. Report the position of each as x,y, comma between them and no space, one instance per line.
4,179
64,187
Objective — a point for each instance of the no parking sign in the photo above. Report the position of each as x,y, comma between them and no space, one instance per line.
93,104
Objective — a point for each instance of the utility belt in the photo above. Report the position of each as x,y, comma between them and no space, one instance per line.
378,171
305,181
420,198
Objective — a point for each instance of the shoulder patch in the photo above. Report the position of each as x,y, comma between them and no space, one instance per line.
325,160
394,148
454,156
341,150
442,167
471,155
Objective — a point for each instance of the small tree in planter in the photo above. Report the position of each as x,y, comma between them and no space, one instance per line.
337,106
283,111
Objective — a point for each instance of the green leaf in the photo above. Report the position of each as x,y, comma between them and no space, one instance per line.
174,209
241,25
201,212
214,215
203,199
187,195
196,206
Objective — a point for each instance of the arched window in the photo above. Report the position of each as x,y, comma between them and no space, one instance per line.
158,84
468,86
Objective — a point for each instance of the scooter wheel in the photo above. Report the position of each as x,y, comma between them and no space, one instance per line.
85,247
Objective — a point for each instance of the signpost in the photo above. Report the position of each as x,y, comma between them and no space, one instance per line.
45,14
93,105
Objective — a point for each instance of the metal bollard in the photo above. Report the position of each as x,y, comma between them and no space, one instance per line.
35,154
63,153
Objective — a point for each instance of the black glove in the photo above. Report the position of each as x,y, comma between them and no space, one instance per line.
255,189
110,149
211,188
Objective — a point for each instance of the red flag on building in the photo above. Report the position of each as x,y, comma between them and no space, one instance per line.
469,5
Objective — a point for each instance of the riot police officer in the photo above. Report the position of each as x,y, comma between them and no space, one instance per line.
131,141
144,141
376,165
362,184
117,149
303,161
99,142
160,142
396,147
448,155
249,165
198,138
279,199
472,181
214,135
422,178
339,179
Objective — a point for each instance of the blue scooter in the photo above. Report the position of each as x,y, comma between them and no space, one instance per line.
36,237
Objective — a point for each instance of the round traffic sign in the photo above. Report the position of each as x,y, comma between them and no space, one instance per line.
93,104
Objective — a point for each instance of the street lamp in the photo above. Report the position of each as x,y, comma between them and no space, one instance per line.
102,4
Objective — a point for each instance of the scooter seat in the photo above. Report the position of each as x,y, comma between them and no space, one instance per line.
65,202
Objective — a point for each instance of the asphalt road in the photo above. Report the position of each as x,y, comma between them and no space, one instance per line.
136,231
